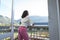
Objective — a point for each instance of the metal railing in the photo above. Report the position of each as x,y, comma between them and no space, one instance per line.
34,32
39,32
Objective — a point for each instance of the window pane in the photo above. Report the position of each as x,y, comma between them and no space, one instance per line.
38,13
5,16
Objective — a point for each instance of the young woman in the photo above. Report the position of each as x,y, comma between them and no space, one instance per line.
22,30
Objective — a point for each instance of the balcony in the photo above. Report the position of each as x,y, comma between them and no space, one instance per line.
35,32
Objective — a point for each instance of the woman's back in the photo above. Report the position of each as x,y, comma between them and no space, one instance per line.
25,21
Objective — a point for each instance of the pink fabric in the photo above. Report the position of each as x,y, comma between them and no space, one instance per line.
22,33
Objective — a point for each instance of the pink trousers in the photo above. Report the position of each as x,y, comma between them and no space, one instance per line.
22,33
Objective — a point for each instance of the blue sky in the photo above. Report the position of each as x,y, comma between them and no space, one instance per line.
35,8
5,8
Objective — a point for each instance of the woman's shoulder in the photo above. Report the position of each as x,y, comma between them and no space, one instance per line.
26,18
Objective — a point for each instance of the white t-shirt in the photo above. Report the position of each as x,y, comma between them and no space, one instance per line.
25,21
